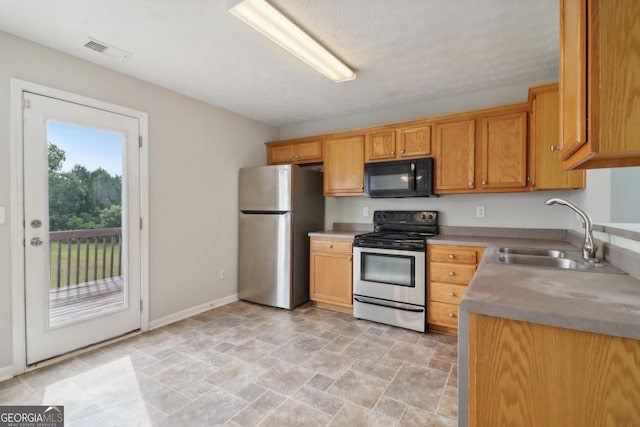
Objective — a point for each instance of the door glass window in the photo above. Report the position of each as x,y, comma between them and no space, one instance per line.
85,222
389,269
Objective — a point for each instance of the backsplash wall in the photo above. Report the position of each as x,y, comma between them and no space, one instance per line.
513,210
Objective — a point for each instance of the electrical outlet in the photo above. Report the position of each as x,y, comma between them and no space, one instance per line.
223,273
479,211
365,211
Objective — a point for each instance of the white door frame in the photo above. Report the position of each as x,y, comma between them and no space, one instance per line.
16,164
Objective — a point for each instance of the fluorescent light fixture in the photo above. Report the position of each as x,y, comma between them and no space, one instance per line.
267,20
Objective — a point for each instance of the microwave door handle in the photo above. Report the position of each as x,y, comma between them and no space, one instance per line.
413,176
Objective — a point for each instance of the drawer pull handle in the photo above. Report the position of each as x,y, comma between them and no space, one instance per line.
451,294
452,315
451,273
451,256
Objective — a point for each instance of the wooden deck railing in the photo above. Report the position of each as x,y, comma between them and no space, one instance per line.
80,256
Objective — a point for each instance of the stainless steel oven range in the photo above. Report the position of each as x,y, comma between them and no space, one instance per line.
389,269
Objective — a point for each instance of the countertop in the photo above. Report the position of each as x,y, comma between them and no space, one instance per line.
592,302
336,234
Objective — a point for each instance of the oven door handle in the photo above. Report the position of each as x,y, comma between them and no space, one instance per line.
389,304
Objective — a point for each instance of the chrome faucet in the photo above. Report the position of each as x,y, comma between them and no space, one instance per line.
589,248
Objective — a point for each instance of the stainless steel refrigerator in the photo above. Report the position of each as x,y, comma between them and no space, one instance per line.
279,206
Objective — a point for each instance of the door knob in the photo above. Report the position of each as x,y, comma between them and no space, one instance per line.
36,241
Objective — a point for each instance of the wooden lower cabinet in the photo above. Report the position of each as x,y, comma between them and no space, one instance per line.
331,277
525,374
449,271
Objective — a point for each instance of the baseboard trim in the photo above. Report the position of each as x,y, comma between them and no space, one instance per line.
192,311
6,372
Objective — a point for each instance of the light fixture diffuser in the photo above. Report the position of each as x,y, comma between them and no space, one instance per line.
272,24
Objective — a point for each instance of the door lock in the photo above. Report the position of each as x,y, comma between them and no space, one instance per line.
36,241
36,223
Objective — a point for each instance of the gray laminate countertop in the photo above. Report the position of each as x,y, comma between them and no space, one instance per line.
591,302
336,234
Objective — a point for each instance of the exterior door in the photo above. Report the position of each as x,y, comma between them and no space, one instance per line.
82,225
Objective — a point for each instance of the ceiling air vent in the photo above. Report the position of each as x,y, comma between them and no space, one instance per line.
98,47
106,49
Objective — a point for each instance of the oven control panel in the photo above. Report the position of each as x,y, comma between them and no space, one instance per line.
405,217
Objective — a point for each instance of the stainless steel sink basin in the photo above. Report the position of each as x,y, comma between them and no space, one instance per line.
543,261
566,261
534,251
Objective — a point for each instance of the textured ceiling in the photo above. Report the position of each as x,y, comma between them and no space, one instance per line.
403,51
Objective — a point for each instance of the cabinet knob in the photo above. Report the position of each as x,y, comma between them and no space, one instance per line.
290,157
452,315
393,153
361,188
349,259
451,273
401,151
484,182
554,148
451,294
451,256
331,245
471,184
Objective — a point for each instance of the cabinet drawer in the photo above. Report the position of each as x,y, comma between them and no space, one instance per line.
340,245
453,254
442,314
446,292
460,274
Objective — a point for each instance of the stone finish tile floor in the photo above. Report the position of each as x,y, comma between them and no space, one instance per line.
249,365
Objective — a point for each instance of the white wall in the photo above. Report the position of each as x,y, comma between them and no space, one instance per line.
195,152
625,195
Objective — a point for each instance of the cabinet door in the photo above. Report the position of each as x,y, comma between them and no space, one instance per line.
455,156
344,166
331,277
281,154
547,172
415,141
573,76
308,152
504,151
381,145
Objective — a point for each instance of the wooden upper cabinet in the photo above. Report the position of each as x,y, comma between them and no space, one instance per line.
455,156
545,167
294,152
398,143
599,83
344,166
380,145
414,141
504,151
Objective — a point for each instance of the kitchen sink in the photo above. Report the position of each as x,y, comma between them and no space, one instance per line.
565,260
554,253
543,261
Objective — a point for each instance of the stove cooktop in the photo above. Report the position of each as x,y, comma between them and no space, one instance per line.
400,230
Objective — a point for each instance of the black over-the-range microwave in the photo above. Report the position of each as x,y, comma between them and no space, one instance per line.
402,178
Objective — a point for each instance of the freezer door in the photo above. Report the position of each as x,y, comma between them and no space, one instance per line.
265,189
264,259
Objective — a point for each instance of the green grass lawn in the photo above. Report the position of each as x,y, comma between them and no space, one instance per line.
74,265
